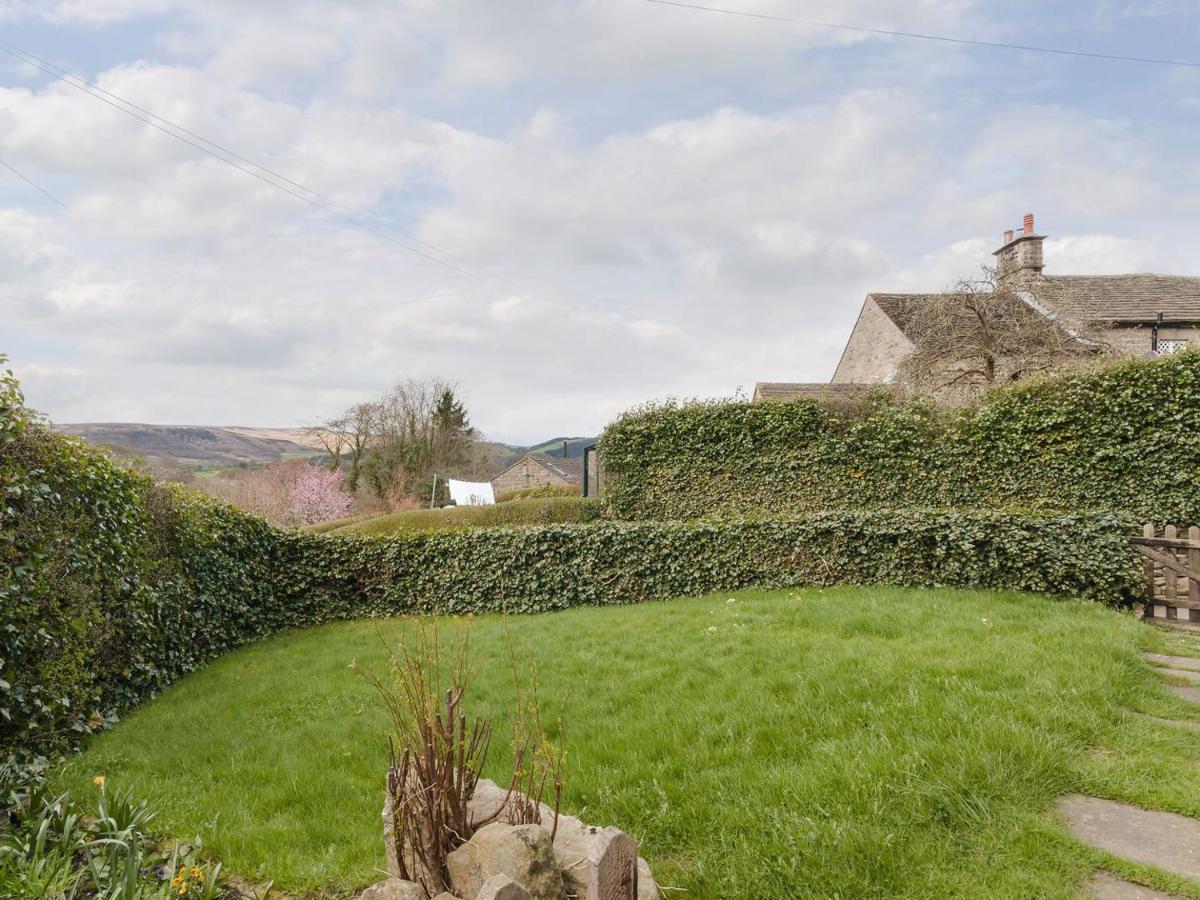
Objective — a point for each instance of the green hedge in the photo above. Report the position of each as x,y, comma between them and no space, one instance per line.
1123,437
111,588
528,511
560,566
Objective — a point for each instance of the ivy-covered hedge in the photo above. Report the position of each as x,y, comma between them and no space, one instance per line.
1123,437
112,587
561,566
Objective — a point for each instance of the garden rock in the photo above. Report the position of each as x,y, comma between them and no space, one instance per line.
576,848
573,841
522,852
501,887
394,889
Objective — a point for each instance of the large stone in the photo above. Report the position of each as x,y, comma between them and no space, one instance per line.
492,803
612,866
501,887
394,889
1165,840
1182,674
522,852
574,844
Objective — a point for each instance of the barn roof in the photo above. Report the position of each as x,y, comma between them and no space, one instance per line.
899,307
1119,299
569,470
786,390
1130,299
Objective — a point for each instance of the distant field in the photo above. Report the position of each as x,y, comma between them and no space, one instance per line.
851,742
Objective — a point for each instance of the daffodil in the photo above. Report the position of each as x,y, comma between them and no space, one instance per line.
99,779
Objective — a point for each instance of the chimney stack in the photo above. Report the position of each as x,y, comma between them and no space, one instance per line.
1021,256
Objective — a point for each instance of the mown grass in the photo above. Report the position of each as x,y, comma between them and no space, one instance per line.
529,511
852,742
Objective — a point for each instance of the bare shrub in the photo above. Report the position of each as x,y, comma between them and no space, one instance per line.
437,751
985,331
434,755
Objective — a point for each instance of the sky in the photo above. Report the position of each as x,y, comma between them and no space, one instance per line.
625,201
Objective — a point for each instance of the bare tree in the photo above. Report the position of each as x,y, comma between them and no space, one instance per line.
360,425
985,331
419,428
331,434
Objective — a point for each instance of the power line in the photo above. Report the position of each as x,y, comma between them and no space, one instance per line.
34,185
997,45
230,158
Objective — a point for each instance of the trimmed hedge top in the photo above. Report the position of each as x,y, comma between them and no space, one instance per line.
1123,437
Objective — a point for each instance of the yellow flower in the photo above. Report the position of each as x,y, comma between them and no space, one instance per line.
99,779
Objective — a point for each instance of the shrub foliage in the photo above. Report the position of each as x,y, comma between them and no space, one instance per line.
1123,437
112,587
549,510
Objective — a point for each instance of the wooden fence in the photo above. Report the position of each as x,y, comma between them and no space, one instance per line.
1172,570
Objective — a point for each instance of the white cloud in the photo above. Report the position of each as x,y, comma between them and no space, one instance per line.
652,201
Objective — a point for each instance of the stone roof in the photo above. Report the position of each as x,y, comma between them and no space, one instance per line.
1120,299
786,390
569,469
1131,299
899,307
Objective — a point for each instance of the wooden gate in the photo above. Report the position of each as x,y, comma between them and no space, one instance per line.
1172,567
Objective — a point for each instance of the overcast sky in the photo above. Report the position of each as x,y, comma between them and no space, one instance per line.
641,200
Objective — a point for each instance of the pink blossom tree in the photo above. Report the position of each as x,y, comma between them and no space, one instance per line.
288,493
317,496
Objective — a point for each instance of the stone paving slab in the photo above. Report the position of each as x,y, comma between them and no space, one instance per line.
1178,723
1109,887
1175,662
1187,693
1185,674
1164,840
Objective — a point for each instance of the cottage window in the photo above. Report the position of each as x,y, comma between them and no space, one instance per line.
1166,348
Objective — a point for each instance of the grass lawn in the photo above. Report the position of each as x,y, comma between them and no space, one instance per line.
851,742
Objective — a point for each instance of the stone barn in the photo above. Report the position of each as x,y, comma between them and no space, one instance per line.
534,470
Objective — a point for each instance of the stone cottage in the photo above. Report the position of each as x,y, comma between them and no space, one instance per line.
534,470
1138,315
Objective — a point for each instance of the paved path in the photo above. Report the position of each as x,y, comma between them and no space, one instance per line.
1185,668
1164,840
1191,694
1175,662
1178,723
1109,887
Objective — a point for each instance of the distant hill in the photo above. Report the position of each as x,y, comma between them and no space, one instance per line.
198,446
209,447
554,446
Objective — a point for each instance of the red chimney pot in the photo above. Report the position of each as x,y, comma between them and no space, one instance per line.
1029,223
